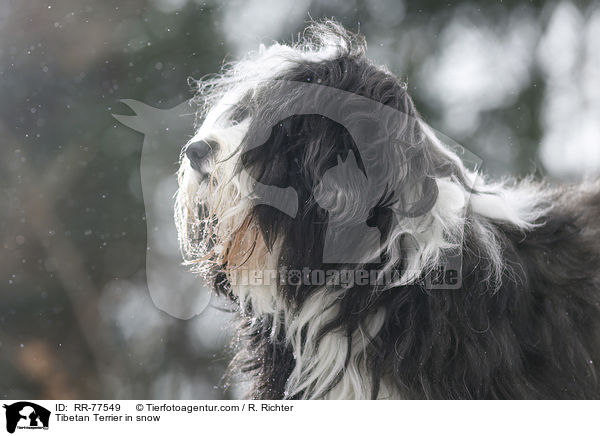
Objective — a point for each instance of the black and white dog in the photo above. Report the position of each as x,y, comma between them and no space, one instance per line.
311,159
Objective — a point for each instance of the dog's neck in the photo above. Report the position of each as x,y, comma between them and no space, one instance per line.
304,358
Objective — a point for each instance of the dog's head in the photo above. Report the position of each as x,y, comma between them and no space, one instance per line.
312,157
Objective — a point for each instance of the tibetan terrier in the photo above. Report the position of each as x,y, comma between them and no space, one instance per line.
363,252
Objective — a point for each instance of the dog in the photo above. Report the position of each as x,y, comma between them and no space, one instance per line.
310,163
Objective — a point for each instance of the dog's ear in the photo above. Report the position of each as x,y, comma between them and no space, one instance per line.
343,190
277,163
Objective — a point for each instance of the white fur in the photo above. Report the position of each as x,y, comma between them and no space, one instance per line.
425,238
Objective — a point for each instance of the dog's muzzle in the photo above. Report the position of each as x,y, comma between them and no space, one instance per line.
199,153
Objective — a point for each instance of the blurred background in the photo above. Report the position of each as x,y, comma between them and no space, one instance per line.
516,83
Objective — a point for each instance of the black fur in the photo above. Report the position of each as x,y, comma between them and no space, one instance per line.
533,333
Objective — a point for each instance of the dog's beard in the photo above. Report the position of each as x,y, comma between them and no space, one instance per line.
193,219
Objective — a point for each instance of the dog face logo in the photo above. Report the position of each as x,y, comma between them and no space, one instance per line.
348,192
26,415
387,150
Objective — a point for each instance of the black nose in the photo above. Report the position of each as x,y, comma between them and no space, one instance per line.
199,151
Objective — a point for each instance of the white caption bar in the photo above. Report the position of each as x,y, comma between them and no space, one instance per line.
149,417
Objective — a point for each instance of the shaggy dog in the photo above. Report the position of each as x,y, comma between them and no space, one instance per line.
313,160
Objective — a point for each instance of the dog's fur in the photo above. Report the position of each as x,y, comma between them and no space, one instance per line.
524,324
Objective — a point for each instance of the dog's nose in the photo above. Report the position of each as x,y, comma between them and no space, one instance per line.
198,152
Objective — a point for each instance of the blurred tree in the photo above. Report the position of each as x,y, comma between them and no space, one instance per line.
76,320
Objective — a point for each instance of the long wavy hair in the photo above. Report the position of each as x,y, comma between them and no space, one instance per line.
524,320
